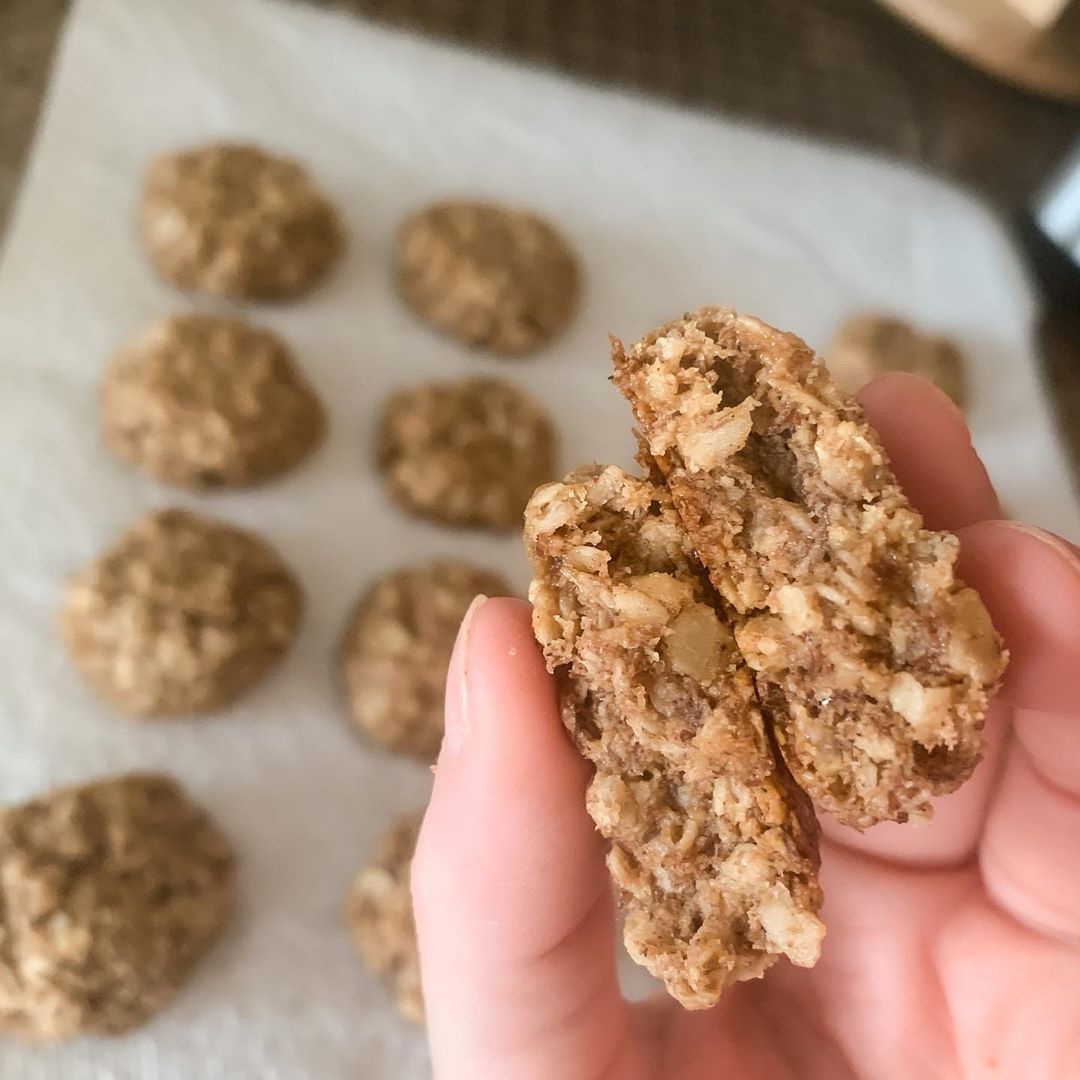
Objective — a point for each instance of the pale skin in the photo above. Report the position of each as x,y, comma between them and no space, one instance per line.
953,951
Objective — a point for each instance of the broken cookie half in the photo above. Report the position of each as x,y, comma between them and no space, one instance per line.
714,847
873,660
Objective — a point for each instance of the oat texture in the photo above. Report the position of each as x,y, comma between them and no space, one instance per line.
873,659
465,453
713,847
110,892
493,277
205,402
397,647
869,345
182,615
232,220
379,914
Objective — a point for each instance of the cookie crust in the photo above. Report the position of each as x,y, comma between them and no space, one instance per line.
182,615
713,847
205,402
110,892
491,276
231,220
875,661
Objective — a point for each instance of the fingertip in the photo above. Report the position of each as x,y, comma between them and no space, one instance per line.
1029,580
929,445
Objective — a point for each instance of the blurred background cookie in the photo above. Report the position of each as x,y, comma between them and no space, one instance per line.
396,650
204,402
469,452
491,276
181,615
112,891
233,220
871,344
379,915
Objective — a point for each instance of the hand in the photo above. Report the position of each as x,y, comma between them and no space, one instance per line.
952,951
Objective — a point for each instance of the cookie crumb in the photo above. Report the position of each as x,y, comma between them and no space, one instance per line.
110,892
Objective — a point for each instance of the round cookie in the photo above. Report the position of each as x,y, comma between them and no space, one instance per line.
396,651
112,891
205,402
182,615
379,915
490,276
232,220
869,345
465,453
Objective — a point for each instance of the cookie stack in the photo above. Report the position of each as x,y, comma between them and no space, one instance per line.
185,613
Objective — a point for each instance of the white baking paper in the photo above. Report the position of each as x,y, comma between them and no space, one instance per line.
669,210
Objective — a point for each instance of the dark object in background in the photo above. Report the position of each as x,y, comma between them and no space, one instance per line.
1050,236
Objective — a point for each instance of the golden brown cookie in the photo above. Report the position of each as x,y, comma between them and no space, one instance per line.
869,345
874,661
379,915
181,615
205,402
110,892
465,453
491,276
713,847
232,220
397,647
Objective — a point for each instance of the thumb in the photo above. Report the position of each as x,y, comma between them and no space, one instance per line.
513,904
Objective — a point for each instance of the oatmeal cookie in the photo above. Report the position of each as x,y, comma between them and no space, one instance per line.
232,220
490,276
869,345
379,915
110,892
713,847
465,453
205,402
182,615
397,648
873,659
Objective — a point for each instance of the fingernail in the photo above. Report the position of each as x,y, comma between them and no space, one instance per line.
456,705
1067,551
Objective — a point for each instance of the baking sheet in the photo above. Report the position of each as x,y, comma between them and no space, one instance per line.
669,210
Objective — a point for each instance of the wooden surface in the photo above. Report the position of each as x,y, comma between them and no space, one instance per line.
1037,48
